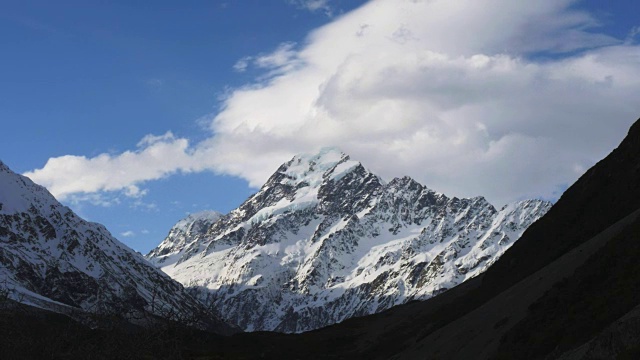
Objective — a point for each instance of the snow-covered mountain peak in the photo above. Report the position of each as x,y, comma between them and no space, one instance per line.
313,170
316,163
19,193
325,239
328,180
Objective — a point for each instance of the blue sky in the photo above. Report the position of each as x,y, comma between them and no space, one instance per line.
233,78
87,77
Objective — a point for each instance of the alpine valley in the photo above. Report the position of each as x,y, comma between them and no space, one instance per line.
325,240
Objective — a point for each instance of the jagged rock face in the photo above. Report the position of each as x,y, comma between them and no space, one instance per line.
325,240
53,259
192,228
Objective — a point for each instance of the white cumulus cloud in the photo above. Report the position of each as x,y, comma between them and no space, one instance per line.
500,98
154,158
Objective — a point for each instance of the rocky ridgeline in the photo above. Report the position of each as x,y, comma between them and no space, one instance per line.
325,240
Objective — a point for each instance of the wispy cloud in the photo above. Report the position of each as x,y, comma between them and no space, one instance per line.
314,6
93,198
283,56
128,233
447,92
242,64
155,83
146,206
633,34
281,60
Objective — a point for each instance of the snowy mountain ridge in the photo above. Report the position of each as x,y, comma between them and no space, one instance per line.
52,259
325,239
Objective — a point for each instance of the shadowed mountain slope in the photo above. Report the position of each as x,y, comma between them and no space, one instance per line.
600,301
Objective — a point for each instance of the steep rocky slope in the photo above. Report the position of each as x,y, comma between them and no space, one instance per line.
325,240
52,259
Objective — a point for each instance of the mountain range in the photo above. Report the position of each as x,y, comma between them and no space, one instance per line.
325,240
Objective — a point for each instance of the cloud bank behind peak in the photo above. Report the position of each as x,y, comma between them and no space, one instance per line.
495,97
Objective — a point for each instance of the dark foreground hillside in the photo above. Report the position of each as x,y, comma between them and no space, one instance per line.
568,289
601,291
31,333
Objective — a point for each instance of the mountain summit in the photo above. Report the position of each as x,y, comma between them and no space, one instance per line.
325,239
